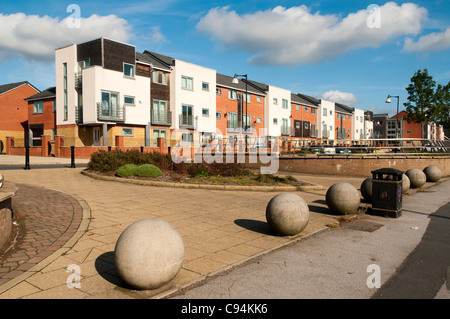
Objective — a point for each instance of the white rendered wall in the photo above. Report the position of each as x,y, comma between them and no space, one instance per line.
357,124
327,119
277,111
66,55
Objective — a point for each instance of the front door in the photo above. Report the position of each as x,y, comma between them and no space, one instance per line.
96,136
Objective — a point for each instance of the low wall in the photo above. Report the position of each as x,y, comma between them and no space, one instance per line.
360,165
7,192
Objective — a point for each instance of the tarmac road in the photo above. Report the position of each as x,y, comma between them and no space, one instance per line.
410,257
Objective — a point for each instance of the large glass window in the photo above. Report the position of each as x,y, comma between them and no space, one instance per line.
157,134
232,94
159,111
66,111
187,115
110,104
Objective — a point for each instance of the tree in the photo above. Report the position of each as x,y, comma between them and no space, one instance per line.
426,102
443,105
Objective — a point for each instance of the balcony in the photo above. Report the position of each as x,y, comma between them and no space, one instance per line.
314,133
162,119
78,114
286,130
234,126
78,80
110,113
325,134
187,122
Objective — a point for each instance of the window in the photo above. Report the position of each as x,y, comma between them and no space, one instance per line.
218,91
297,125
275,101
313,111
128,100
128,70
232,120
275,121
248,99
187,138
259,120
159,77
38,107
306,109
65,92
338,116
157,134
110,104
408,132
83,64
205,112
187,113
284,104
36,131
127,131
306,126
232,95
159,111
297,107
325,112
218,115
258,99
187,83
331,112
205,86
54,105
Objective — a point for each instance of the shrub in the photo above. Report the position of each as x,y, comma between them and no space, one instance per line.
127,170
148,170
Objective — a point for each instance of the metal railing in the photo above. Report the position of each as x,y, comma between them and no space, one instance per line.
187,122
78,114
110,114
78,80
164,119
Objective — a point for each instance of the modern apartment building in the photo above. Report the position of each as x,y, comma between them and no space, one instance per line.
304,117
102,91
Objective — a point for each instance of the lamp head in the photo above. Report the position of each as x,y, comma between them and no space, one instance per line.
235,79
388,100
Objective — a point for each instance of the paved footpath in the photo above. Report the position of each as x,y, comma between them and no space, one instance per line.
220,229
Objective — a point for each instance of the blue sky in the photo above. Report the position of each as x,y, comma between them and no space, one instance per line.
346,51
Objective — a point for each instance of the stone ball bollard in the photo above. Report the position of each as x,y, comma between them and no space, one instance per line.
149,253
287,214
406,184
366,189
343,198
416,177
433,173
1,179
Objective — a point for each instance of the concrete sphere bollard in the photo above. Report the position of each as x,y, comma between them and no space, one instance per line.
416,177
433,173
1,180
366,189
149,253
343,198
406,184
287,214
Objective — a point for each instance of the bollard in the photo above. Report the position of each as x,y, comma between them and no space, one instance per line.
109,148
27,157
142,149
72,157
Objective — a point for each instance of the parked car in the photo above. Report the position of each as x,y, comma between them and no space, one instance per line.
342,150
315,149
328,149
364,148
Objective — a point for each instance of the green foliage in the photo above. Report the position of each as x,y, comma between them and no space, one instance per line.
148,170
127,170
426,102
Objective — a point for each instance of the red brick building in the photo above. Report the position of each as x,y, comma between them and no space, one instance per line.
14,112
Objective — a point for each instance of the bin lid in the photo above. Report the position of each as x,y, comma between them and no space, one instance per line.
388,171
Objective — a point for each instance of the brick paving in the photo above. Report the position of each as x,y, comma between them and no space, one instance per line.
46,220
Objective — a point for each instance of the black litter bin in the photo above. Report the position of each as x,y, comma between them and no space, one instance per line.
387,192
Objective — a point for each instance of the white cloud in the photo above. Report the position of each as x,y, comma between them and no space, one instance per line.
340,97
36,37
290,36
156,36
431,42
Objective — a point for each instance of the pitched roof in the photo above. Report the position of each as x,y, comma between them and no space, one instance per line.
296,98
159,60
155,62
225,80
310,99
46,94
8,87
338,107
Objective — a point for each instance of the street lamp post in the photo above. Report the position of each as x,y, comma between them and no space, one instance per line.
388,100
236,81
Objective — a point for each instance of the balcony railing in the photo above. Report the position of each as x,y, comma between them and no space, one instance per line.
314,133
286,130
110,114
79,114
325,134
163,119
187,122
78,80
